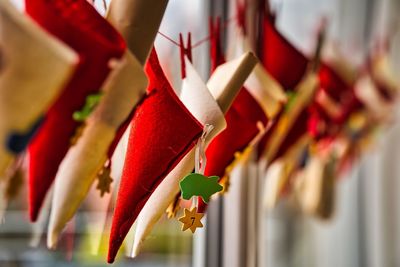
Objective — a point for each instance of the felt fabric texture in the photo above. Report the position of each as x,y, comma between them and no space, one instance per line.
314,114
283,131
225,81
331,82
241,119
199,101
122,90
340,92
23,102
260,84
162,132
78,24
277,53
99,225
335,87
345,93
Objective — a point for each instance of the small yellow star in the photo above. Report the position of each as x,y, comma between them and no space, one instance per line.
191,220
174,207
105,180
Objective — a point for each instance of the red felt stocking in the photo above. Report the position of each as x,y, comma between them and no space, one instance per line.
283,61
77,24
339,91
277,54
162,132
288,66
241,119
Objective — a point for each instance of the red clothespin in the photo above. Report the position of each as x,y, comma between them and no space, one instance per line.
241,6
215,43
185,51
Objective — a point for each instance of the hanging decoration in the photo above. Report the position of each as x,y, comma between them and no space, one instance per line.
24,101
77,24
74,82
156,143
207,103
191,220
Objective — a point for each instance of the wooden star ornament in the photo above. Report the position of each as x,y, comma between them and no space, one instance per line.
105,180
174,207
191,220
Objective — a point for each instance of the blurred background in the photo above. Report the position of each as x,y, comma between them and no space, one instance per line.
365,229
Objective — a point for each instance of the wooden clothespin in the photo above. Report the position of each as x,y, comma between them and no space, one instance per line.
185,51
316,61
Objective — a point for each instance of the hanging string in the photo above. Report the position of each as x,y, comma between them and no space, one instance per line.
200,159
203,40
169,38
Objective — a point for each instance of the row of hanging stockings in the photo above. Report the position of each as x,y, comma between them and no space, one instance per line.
102,85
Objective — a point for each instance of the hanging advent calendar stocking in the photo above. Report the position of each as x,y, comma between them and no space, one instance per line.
333,93
78,169
261,85
377,88
199,101
337,79
289,136
78,24
243,123
46,65
277,53
326,111
335,90
85,161
293,122
162,132
204,107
